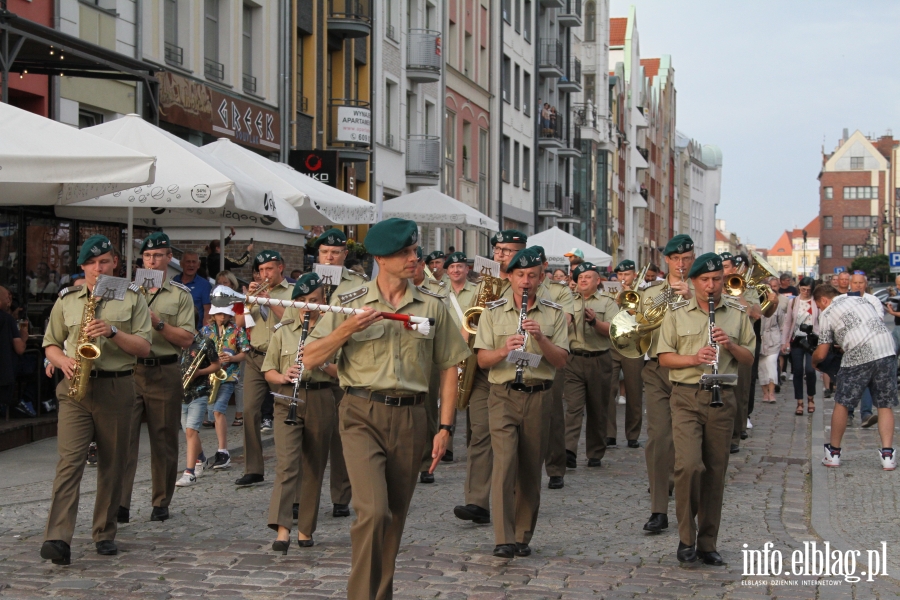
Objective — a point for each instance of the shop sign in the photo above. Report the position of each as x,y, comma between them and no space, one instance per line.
321,165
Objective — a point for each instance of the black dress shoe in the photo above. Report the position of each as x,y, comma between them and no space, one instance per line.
295,510
571,460
777,389
123,515
711,558
305,543
281,546
57,551
657,522
249,479
594,462
744,435
448,456
556,483
426,477
686,554
159,513
522,549
107,548
735,448
610,442
472,512
340,510
634,444
504,550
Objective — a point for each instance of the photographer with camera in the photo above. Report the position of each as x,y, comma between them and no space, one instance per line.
799,339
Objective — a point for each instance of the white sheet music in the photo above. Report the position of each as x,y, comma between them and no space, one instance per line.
329,274
526,358
111,288
148,278
482,263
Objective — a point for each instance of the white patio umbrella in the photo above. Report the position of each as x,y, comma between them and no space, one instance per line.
430,207
47,162
315,202
557,242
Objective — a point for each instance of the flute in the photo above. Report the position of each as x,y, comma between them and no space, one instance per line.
292,409
225,296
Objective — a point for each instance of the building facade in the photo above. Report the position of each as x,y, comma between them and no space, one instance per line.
696,191
796,253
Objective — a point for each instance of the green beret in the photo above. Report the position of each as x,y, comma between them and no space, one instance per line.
509,236
706,263
679,244
306,284
726,255
540,250
455,257
390,236
419,253
266,256
435,255
155,240
524,259
94,246
581,268
625,265
737,260
332,237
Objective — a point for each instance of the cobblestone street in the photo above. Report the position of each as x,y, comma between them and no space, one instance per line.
588,543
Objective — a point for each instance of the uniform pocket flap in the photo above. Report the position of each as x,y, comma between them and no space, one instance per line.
372,333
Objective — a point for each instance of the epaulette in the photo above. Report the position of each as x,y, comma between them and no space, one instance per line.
559,283
546,302
496,303
437,283
425,290
181,286
654,283
731,302
282,324
134,287
69,290
362,276
350,296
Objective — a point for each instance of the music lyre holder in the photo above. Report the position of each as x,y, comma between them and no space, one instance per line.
520,358
110,288
486,266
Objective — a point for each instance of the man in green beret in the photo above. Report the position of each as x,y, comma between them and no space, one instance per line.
588,371
257,392
435,262
121,331
157,382
519,410
702,431
631,382
479,455
660,451
301,450
456,266
384,368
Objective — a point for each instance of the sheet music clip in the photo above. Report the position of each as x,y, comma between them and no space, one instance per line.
329,274
486,266
148,278
111,288
524,359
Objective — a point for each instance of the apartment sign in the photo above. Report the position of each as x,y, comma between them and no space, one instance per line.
353,125
194,105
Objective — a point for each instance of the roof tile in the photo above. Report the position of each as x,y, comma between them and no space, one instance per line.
617,27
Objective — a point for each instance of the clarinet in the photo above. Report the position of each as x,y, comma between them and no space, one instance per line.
520,367
292,409
715,387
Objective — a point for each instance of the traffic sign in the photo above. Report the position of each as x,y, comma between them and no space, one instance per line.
895,262
839,270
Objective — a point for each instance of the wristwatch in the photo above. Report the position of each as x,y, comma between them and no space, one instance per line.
160,326
113,332
449,428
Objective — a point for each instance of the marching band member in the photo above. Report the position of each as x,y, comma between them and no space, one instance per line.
435,262
631,368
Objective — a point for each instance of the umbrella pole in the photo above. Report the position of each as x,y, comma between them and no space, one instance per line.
129,250
221,250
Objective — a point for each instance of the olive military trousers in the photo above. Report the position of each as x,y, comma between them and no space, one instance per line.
634,405
742,402
256,388
340,481
659,451
587,397
555,462
480,456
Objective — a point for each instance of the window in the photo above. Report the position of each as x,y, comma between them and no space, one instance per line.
590,21
526,93
829,193
174,53
526,167
849,251
507,9
389,90
212,68
483,162
527,21
302,102
504,158
515,180
857,162
826,251
505,75
450,153
518,17
247,50
87,118
590,82
516,89
826,222
859,222
860,193
389,19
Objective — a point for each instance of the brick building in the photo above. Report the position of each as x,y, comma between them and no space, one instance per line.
856,200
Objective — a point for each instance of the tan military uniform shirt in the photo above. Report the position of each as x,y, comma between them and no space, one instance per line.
262,330
466,296
174,305
647,297
559,293
350,280
130,315
282,353
387,356
584,337
502,320
686,330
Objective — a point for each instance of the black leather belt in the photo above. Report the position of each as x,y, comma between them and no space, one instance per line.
158,362
110,374
408,400
530,389
697,386
655,359
584,354
254,352
314,385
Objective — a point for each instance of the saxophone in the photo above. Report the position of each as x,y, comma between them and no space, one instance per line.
86,352
488,291
217,378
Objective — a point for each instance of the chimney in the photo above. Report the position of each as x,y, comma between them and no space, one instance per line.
846,135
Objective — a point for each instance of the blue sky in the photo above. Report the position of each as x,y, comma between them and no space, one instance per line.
770,82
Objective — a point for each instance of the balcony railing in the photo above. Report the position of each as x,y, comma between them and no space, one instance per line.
571,81
423,156
350,18
549,197
553,126
249,83
303,103
423,55
350,122
174,54
570,14
550,57
644,152
213,70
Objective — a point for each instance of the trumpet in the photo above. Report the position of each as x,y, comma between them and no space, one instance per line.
292,409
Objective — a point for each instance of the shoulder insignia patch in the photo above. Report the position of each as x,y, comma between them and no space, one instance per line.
559,283
351,296
546,302
134,288
425,290
69,290
437,283
282,324
180,286
496,303
732,303
655,283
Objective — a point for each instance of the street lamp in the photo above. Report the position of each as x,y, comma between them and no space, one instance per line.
804,254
